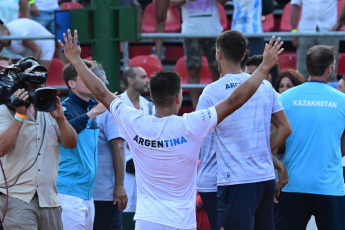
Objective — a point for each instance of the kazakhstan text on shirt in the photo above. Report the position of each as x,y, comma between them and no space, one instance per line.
159,143
331,104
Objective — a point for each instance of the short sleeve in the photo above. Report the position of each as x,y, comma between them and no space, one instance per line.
277,106
202,122
119,111
111,130
5,118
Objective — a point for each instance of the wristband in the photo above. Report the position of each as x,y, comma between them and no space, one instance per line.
21,116
294,31
18,118
31,2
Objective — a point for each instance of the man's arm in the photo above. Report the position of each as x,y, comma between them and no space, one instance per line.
119,194
341,18
282,130
68,136
343,144
177,3
8,136
34,47
24,8
278,135
245,91
294,16
91,81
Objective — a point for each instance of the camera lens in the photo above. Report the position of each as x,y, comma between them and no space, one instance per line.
45,99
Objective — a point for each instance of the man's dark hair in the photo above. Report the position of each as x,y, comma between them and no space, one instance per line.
245,60
255,60
232,44
69,72
165,85
319,58
128,73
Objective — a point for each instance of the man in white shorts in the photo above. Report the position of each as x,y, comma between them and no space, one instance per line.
165,147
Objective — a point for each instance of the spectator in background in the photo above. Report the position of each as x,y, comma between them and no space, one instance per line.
161,16
78,166
136,83
10,10
43,50
253,63
199,17
109,196
314,150
317,16
246,18
42,11
288,79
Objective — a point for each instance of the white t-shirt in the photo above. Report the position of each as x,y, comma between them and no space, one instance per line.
243,138
206,180
201,17
28,27
165,152
317,13
129,181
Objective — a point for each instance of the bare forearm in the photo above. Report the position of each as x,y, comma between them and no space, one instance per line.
68,136
8,137
118,160
294,16
177,3
278,136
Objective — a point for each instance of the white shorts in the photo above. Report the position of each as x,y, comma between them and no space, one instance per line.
144,225
77,213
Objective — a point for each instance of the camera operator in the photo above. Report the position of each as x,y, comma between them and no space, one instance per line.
29,152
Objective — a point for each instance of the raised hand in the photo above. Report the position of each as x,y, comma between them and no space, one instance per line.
272,51
71,48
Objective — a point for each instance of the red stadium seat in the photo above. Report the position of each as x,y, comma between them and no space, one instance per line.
149,63
54,76
268,23
341,64
285,23
172,23
205,73
222,16
71,5
287,61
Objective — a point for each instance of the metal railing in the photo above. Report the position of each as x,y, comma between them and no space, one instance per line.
153,36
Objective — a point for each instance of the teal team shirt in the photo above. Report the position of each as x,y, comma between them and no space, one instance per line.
313,156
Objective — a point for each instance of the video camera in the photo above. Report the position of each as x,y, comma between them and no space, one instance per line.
14,77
